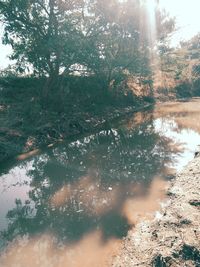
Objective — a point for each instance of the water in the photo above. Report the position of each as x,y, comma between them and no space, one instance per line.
71,205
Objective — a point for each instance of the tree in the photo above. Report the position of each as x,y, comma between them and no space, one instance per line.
105,38
117,36
114,41
42,33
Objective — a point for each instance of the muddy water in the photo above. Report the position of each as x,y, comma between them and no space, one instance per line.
72,206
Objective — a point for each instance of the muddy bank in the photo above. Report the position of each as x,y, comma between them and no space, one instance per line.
19,144
173,237
29,121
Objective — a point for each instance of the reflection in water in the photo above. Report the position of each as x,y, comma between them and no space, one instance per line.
183,140
140,208
87,194
45,251
185,114
12,186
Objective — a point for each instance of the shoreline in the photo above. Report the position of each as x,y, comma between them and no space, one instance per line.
95,123
173,239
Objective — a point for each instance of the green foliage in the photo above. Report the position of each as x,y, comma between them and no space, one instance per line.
184,90
108,39
181,66
39,32
189,70
114,42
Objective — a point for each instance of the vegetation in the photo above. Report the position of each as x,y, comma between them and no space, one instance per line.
79,61
55,38
75,60
179,68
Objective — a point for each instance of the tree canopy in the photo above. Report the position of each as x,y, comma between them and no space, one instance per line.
103,38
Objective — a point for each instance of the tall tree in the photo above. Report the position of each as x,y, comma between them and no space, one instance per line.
105,38
42,33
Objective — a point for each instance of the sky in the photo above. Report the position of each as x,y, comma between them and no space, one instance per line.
187,19
4,52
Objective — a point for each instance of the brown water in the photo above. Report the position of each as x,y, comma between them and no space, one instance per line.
72,205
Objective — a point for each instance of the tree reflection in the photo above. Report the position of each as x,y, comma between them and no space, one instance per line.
83,185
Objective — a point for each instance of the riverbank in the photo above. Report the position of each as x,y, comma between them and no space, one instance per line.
23,144
173,238
27,125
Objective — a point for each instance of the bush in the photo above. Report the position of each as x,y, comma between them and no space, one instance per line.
184,90
196,87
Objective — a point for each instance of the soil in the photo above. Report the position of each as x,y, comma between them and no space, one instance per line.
173,237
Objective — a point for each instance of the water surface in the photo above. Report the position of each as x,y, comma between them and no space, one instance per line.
71,205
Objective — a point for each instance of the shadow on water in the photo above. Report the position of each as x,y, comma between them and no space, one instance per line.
96,184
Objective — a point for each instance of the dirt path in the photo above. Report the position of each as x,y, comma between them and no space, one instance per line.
173,239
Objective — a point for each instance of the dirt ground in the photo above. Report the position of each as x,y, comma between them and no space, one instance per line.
173,237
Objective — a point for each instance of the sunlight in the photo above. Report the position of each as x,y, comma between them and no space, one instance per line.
151,6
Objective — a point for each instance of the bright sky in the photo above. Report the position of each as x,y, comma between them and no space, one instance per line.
4,51
186,13
187,17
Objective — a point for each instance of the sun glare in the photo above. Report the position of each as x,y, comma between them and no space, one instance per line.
151,24
151,5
